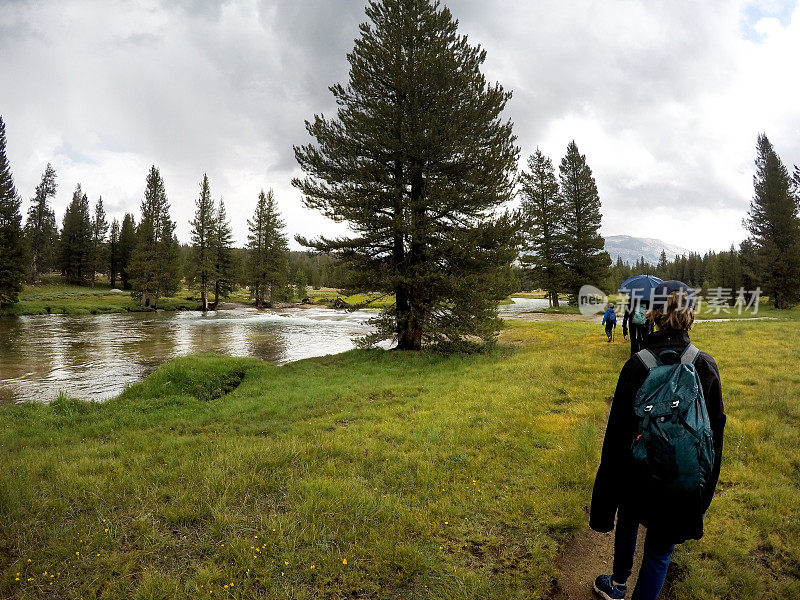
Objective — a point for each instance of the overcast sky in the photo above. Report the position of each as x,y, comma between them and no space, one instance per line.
665,98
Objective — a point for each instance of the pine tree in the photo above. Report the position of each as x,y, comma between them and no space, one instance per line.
76,240
268,247
155,265
663,265
99,230
774,227
417,162
41,231
127,242
543,220
222,252
12,248
203,231
585,259
300,280
113,253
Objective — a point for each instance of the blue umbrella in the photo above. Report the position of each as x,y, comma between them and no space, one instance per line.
640,287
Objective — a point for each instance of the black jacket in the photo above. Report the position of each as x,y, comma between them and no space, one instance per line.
612,485
627,321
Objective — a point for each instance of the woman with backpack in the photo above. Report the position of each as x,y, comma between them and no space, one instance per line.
662,449
635,318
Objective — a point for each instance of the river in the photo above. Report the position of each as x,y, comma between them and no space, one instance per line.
95,357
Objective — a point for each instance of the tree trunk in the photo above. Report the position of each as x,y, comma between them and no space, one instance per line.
410,326
35,268
554,299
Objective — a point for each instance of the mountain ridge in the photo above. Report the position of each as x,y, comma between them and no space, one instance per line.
631,249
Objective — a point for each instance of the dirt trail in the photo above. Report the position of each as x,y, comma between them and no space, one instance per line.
583,558
538,316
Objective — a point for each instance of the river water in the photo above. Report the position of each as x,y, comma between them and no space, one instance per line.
95,357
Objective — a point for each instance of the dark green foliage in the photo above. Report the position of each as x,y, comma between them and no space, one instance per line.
321,270
585,259
203,232
267,252
127,242
41,231
99,231
12,249
774,227
76,247
299,283
543,220
155,268
224,272
416,162
113,253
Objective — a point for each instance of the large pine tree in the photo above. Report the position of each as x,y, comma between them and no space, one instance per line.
113,253
12,270
203,231
774,227
41,231
267,252
222,252
127,242
543,218
76,247
99,231
416,163
155,266
585,259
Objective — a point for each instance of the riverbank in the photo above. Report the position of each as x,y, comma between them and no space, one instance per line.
62,299
379,474
58,298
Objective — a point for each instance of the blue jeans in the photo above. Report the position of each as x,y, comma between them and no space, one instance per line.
654,562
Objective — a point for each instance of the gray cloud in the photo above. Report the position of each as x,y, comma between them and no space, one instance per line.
665,98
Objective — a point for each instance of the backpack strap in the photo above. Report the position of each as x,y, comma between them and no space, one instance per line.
648,358
689,355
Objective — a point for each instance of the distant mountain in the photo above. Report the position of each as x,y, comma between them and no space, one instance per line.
631,249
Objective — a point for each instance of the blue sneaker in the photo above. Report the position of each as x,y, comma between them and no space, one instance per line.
605,589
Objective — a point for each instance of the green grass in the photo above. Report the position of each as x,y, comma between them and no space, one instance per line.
431,476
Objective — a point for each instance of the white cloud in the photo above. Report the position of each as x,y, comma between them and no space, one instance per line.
665,98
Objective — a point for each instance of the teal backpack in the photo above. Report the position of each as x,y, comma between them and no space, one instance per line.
673,452
639,316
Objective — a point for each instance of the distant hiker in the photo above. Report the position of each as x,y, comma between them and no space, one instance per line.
635,320
662,449
610,321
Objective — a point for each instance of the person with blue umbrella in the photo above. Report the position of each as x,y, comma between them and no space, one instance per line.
640,290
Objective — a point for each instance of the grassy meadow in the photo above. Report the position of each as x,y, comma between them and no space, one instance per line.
377,474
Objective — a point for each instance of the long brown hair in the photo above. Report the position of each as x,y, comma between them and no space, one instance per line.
678,314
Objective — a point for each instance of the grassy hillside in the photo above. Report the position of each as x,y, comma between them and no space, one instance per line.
375,474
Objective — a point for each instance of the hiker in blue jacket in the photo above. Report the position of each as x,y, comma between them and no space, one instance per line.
623,491
610,321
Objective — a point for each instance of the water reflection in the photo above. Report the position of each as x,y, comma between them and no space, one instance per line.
96,356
